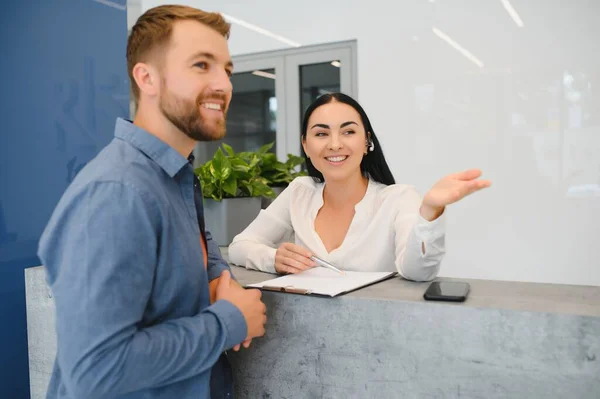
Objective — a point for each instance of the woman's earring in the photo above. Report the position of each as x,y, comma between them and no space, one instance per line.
371,145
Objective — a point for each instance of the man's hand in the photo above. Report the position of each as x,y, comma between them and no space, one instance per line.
213,284
246,344
212,287
247,301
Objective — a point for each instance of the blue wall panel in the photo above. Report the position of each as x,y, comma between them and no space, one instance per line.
64,82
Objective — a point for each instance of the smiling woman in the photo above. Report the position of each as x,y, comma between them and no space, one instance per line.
350,133
349,211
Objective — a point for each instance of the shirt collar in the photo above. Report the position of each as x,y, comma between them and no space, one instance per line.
361,206
160,152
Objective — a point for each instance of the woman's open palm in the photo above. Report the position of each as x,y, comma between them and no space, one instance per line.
454,187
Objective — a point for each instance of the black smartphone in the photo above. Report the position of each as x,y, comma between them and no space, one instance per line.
453,291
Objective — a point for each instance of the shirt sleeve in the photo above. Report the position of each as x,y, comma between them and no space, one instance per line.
255,247
413,233
100,252
216,263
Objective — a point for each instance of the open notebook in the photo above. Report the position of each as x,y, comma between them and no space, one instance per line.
322,281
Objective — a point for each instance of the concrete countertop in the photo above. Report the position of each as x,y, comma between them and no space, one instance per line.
520,296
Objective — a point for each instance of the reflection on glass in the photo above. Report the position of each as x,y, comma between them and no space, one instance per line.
316,80
581,139
251,119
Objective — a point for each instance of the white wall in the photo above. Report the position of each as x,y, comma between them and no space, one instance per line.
530,118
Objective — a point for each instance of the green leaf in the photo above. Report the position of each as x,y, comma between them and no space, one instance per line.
265,148
245,188
216,165
246,156
219,156
228,149
230,186
282,167
294,161
281,176
208,190
254,161
269,160
225,169
240,170
259,188
239,165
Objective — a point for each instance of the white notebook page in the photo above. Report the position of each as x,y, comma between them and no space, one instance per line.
320,280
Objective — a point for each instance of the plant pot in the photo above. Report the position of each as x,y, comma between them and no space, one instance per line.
265,202
227,218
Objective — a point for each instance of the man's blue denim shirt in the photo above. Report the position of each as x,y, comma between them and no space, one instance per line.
124,262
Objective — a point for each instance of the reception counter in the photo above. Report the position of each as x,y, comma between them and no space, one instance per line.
508,340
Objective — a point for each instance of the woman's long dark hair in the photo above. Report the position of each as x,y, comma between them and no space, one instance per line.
373,164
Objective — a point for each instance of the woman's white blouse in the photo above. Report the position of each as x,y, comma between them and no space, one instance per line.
386,233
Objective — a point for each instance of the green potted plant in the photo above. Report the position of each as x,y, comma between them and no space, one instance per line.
232,187
278,174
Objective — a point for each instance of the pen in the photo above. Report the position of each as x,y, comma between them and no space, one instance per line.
325,264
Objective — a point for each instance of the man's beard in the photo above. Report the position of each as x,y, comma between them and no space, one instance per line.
186,116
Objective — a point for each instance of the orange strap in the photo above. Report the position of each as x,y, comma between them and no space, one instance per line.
204,250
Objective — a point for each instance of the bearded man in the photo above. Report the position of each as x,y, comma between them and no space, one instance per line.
145,305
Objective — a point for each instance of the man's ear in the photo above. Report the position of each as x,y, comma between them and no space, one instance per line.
147,79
